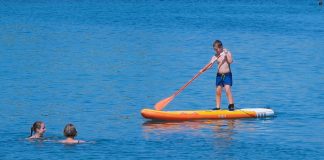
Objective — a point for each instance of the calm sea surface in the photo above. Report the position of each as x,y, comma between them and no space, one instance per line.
96,64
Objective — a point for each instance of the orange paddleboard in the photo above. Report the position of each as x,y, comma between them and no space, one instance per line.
206,114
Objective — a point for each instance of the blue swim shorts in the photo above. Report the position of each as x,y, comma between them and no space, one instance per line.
224,79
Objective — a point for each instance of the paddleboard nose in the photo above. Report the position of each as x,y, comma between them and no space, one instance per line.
261,112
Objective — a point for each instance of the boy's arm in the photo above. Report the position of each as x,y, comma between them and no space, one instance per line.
213,59
228,56
210,64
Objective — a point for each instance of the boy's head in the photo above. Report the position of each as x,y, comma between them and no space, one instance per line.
70,131
218,46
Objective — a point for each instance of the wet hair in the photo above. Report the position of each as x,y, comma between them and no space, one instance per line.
36,125
70,130
218,44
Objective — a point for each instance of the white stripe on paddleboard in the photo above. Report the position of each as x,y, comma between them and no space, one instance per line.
261,112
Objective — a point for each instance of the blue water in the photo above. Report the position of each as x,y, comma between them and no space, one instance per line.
96,64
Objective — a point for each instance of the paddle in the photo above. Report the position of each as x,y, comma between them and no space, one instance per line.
161,104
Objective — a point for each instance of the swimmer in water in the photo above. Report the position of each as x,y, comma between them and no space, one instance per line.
70,132
38,129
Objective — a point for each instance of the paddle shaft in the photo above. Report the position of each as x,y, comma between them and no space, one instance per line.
198,74
161,104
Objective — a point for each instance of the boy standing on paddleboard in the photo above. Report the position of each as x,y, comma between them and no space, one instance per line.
224,75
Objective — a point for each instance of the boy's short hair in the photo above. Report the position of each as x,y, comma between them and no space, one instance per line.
218,44
70,131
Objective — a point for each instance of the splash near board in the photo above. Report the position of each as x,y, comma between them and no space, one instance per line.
206,114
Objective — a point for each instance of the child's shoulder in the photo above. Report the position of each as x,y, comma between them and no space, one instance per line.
71,142
226,50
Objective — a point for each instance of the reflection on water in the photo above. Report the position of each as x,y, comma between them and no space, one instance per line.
223,132
223,129
220,131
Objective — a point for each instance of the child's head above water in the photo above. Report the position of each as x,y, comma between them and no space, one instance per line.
70,131
38,129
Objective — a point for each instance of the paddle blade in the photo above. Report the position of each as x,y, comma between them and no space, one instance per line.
160,105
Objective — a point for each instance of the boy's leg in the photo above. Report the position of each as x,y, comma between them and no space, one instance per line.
229,94
229,97
218,96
